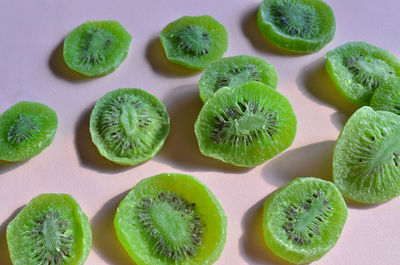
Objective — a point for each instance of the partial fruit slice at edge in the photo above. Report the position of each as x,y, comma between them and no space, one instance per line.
171,219
387,96
304,219
366,158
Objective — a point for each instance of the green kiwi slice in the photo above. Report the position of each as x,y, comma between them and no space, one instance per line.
304,219
387,96
50,230
26,129
235,71
358,68
171,219
302,26
129,126
366,157
194,42
96,48
245,125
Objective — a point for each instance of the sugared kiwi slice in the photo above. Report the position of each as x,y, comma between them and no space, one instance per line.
366,158
171,219
50,230
358,68
303,26
387,96
129,126
304,219
245,125
26,129
194,42
235,71
96,48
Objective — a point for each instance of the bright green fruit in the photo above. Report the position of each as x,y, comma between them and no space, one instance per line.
387,96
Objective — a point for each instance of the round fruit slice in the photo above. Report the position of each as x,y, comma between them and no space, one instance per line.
96,48
366,158
297,25
194,42
129,126
171,219
245,125
236,71
387,96
26,129
358,68
304,219
51,230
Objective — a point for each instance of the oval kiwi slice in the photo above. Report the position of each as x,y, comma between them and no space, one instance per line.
129,126
235,71
366,158
387,96
26,129
171,219
194,42
358,68
304,219
245,125
303,26
96,48
51,230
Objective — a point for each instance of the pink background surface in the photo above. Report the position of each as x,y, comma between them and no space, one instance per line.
32,68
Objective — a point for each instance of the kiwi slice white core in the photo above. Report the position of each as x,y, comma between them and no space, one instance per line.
23,128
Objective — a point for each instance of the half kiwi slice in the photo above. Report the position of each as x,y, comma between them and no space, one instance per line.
304,219
96,48
358,68
194,42
129,126
171,219
235,71
51,230
366,158
303,26
245,125
26,129
387,96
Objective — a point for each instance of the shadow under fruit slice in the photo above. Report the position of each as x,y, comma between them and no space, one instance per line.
235,71
194,42
245,125
387,96
358,68
303,26
366,158
304,219
129,126
26,129
171,219
96,48
50,230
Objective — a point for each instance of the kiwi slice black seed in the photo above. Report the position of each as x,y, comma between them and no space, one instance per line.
358,68
304,219
171,219
303,26
26,129
366,158
50,230
129,126
387,96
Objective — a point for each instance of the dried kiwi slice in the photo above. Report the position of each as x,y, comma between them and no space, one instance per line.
245,125
171,219
303,26
235,71
50,230
96,48
129,126
366,158
387,96
304,219
358,68
194,42
26,129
